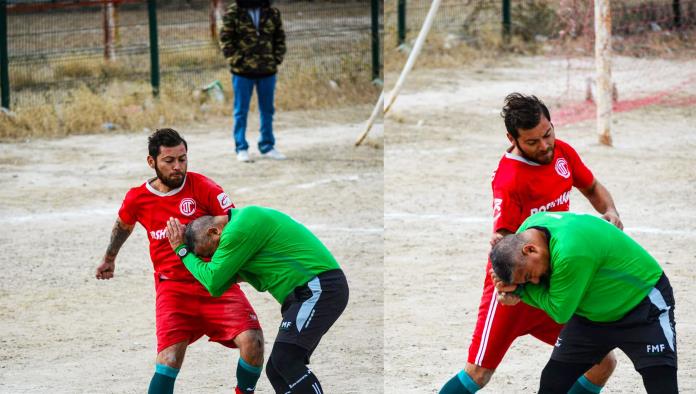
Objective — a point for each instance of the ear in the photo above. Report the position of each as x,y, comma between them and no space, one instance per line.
213,231
510,138
151,161
528,249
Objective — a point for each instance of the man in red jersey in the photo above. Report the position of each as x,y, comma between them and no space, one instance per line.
185,311
535,174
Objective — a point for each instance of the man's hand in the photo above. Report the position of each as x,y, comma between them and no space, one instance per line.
613,218
508,299
175,232
505,291
105,270
498,235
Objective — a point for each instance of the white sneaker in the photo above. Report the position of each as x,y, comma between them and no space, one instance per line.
243,156
274,154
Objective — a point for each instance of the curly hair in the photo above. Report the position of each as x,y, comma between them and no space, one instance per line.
163,137
522,112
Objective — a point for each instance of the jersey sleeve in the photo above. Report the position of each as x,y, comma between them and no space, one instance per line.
128,211
507,212
582,176
566,287
235,248
215,198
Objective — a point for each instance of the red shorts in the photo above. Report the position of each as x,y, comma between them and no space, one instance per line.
499,325
186,311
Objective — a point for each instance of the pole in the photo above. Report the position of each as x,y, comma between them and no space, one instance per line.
677,13
215,16
603,69
375,40
507,23
380,106
401,22
4,60
154,47
109,31
413,55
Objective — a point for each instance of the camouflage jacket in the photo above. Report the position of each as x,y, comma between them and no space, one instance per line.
249,52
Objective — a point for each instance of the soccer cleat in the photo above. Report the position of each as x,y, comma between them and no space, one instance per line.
243,156
274,154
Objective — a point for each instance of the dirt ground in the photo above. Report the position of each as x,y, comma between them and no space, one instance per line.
62,331
444,139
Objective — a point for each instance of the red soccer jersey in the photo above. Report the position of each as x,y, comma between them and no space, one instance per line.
197,196
522,188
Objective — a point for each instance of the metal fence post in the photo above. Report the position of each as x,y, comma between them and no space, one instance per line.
4,60
677,13
401,22
506,21
375,39
154,47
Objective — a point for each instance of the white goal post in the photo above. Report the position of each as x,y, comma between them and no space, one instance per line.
602,11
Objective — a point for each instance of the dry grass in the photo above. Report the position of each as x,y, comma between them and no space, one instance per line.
201,57
314,90
122,104
449,50
130,106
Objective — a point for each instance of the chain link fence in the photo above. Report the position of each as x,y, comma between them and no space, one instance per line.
57,46
539,20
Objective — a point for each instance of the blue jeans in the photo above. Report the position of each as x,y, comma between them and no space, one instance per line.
265,89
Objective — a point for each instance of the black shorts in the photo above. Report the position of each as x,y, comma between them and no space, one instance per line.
646,334
311,309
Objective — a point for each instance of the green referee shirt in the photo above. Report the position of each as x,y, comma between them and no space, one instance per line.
596,270
266,248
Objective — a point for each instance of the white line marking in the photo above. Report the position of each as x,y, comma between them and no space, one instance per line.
324,227
653,230
58,215
461,218
450,217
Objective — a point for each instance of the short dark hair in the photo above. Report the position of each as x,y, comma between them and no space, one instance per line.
163,137
504,256
193,235
522,112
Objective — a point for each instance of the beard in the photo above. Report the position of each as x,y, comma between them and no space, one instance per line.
545,158
175,180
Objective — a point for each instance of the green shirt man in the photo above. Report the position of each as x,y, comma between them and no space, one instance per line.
590,263
264,247
275,253
608,290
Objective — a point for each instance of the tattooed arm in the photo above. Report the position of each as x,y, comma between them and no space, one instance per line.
119,235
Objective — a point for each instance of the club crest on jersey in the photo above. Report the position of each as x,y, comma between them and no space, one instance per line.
187,206
224,200
562,168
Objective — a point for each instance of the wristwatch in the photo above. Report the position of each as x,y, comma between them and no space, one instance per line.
182,251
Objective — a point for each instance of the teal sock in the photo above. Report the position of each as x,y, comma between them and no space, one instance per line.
461,383
163,380
247,376
584,386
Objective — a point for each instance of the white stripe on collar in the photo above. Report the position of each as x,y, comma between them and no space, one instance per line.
520,159
159,193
